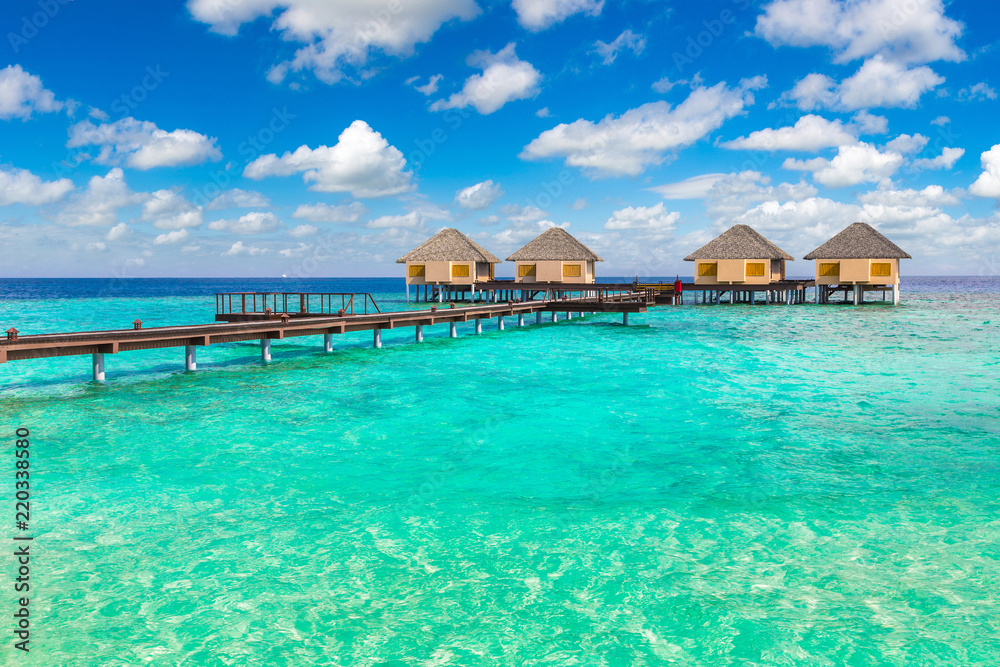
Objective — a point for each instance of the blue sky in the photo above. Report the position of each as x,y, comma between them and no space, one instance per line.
327,138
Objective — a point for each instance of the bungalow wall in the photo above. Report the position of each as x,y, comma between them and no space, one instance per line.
448,273
857,271
738,271
554,271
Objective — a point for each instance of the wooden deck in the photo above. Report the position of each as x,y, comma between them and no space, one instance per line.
40,346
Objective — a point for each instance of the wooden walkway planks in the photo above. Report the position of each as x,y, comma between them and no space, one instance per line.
125,340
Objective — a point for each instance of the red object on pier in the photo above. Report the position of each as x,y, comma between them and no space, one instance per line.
12,333
678,285
137,324
285,317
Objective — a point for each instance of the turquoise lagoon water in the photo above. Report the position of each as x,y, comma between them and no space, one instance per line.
712,485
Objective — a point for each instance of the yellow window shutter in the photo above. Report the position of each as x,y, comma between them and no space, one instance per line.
572,271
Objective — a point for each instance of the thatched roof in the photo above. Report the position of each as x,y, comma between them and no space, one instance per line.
858,241
556,244
449,245
738,242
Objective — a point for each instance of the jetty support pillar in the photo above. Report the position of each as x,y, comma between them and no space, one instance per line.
625,319
500,323
479,325
419,335
538,317
190,358
895,294
520,319
328,342
376,338
265,349
98,366
453,330
858,295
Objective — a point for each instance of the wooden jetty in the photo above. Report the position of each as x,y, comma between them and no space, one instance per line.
268,326
779,291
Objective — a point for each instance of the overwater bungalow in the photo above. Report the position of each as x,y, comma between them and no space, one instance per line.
554,256
858,259
738,256
448,260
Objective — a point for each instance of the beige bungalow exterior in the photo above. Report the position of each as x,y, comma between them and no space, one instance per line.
858,256
449,258
738,256
554,256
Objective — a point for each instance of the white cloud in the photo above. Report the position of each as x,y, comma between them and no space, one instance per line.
664,85
329,213
941,121
579,204
338,38
239,249
303,230
884,83
362,163
297,251
912,32
932,195
22,94
656,219
167,209
976,93
947,159
540,14
734,193
505,78
814,218
142,145
119,232
255,222
626,40
176,236
411,220
543,112
97,246
489,220
20,186
626,145
810,133
695,187
869,123
858,163
520,233
877,83
516,213
237,198
479,196
988,183
428,88
905,144
98,205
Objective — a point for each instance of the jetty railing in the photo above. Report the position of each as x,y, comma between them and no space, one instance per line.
301,303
